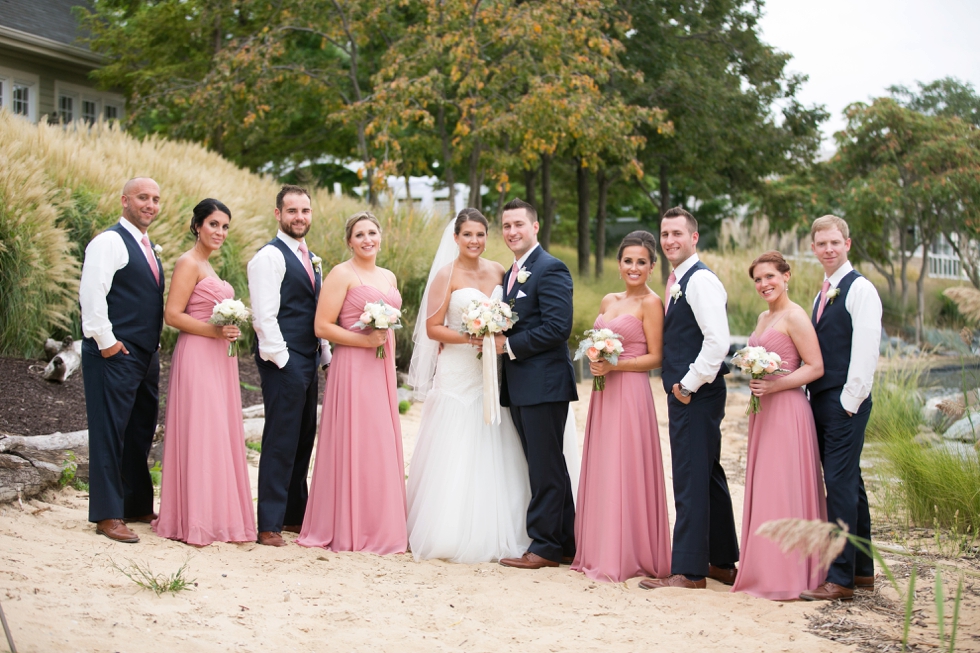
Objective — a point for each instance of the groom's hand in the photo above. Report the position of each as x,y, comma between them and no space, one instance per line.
114,349
498,341
676,390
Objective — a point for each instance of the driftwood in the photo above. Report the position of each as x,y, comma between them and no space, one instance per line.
63,359
29,465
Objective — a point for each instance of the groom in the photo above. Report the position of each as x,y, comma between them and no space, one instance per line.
696,340
537,384
847,317
284,285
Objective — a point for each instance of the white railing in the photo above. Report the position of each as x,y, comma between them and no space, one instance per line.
945,266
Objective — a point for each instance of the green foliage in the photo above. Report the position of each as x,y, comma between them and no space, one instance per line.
143,576
404,406
897,412
69,474
156,474
254,445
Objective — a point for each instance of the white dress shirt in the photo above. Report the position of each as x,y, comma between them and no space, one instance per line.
707,297
104,256
520,263
265,274
864,306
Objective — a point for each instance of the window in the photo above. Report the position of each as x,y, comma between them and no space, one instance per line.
86,104
111,112
66,105
90,111
22,100
18,93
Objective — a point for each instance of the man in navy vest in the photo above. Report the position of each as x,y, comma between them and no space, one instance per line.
847,317
696,340
537,383
284,284
121,299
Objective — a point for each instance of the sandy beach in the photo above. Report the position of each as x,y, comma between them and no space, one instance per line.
61,591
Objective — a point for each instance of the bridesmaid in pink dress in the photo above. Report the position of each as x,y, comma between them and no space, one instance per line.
621,529
357,497
783,477
204,495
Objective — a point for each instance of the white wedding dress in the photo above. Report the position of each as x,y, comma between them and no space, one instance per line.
468,487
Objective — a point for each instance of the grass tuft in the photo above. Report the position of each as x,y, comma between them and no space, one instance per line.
142,575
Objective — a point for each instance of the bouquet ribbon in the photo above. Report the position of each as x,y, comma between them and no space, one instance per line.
491,388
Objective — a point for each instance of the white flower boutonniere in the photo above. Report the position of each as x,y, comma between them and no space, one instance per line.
157,250
522,275
675,291
832,295
318,264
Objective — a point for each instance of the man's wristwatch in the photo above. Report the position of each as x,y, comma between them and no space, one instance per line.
684,391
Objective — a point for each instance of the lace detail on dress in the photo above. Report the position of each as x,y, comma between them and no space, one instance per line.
459,373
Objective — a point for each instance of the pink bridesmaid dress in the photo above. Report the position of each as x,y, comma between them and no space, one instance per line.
783,479
621,526
357,496
205,494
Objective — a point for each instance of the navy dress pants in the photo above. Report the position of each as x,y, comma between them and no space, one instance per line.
122,401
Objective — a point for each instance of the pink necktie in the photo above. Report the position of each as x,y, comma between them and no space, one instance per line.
513,277
671,280
150,258
305,251
824,289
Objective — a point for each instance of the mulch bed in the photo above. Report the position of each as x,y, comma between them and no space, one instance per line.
29,405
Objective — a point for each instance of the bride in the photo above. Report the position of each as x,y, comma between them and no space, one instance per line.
468,487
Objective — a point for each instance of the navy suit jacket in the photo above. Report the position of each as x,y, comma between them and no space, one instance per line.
542,372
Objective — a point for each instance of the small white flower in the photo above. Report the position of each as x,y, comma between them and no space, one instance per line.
522,275
157,249
317,264
675,291
832,295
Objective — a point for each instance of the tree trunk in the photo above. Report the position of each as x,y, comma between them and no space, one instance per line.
447,161
664,205
582,179
475,177
530,176
31,464
368,168
920,295
603,182
546,213
408,194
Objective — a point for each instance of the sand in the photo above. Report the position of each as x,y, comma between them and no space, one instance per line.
61,591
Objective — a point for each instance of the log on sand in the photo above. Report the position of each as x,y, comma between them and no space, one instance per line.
29,465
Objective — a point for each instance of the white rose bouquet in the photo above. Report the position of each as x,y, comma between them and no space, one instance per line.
379,315
231,312
487,317
600,344
758,362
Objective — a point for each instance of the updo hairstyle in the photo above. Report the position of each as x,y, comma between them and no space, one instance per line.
203,209
772,256
354,219
639,239
469,215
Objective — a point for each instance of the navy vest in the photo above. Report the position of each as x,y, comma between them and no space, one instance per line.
135,299
682,335
834,333
297,304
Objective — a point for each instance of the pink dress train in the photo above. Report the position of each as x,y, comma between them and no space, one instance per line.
783,479
205,494
621,529
357,497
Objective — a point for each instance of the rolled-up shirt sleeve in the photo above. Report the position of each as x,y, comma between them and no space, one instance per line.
105,255
265,274
864,305
707,297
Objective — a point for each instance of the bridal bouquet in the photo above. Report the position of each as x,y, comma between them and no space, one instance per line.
758,362
600,344
379,315
487,317
231,312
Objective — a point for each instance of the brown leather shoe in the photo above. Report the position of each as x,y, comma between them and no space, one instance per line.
116,529
723,576
271,538
528,561
864,582
567,560
293,528
828,592
145,519
674,580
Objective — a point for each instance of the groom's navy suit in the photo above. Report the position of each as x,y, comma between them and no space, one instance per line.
537,385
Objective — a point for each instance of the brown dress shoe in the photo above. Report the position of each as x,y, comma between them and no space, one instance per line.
674,580
528,561
567,560
145,519
828,592
271,538
723,576
293,528
864,582
116,529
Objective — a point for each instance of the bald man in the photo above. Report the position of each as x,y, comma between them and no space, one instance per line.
121,297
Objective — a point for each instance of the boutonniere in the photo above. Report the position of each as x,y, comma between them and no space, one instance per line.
318,264
522,275
157,250
832,295
675,291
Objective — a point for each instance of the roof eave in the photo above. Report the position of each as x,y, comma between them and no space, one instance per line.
38,45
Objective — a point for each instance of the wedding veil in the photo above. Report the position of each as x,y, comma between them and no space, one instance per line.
426,351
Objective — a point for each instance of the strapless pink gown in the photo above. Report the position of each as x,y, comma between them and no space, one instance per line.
621,525
783,479
205,495
357,497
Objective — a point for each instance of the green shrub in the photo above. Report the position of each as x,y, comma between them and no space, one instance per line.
897,403
404,406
